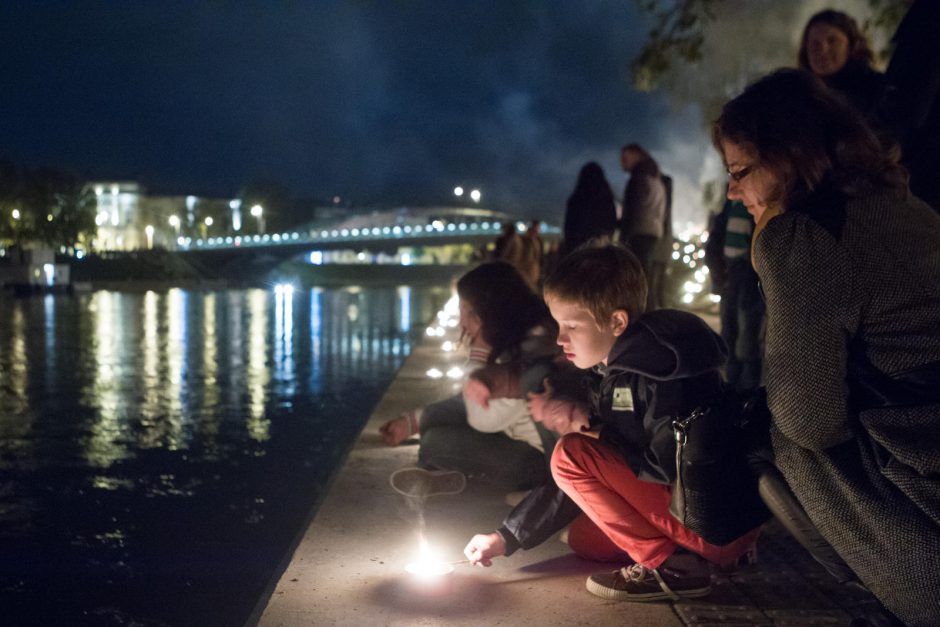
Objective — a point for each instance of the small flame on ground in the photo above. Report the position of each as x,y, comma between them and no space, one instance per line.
427,565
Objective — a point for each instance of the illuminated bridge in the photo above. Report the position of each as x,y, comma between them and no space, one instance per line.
404,236
426,226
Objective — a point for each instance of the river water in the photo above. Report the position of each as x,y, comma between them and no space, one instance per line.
159,451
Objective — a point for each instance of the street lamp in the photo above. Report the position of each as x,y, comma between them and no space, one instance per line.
458,191
475,195
258,212
16,214
149,231
175,223
204,227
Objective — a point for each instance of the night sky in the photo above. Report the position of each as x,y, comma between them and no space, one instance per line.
388,103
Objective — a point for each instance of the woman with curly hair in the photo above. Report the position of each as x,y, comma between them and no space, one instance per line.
849,263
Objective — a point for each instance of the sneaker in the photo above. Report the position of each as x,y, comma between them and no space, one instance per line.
679,577
421,483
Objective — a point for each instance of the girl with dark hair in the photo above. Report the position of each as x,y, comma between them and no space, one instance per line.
834,49
590,211
487,431
849,263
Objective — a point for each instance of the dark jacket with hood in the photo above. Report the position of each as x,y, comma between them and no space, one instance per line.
663,366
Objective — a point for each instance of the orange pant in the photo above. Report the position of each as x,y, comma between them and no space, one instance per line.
629,516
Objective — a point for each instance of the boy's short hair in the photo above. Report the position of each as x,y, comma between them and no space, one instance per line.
601,279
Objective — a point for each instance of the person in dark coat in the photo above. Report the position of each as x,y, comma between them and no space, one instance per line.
643,221
834,49
590,211
618,465
911,106
849,263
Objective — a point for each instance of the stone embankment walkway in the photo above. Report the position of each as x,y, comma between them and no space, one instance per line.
348,567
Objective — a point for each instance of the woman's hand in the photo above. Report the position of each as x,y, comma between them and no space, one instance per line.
482,548
492,381
475,391
399,429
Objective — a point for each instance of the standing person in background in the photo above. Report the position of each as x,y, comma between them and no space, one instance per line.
530,263
644,204
507,245
834,49
590,211
911,107
662,255
728,257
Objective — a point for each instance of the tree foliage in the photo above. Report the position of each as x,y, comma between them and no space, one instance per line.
679,30
50,206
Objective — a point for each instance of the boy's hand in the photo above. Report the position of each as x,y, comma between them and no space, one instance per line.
483,547
476,391
536,402
563,416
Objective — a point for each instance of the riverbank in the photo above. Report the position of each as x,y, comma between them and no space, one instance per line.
159,270
347,565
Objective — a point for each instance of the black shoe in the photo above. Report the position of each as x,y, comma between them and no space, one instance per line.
683,576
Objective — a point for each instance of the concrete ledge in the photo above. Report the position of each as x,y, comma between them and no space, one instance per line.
348,569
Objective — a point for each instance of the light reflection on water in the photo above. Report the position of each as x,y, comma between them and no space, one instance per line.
192,425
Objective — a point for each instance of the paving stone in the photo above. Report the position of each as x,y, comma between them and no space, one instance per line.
703,615
798,618
783,591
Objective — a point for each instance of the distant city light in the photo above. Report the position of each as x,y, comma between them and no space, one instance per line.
208,220
49,270
316,258
257,210
405,259
458,191
475,195
16,214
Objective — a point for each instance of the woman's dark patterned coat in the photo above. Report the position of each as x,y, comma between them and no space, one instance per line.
854,285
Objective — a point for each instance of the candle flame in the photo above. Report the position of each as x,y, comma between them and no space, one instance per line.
427,565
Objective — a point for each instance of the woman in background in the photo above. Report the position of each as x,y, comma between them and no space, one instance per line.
834,49
590,211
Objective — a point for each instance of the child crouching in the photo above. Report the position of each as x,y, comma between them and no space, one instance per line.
618,465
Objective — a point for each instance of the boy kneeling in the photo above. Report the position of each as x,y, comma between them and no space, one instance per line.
617,465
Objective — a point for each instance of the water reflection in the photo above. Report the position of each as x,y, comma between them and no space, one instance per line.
139,429
258,375
170,370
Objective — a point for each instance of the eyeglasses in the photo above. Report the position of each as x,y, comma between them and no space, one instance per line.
739,175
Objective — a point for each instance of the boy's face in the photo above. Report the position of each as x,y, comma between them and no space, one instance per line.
585,341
